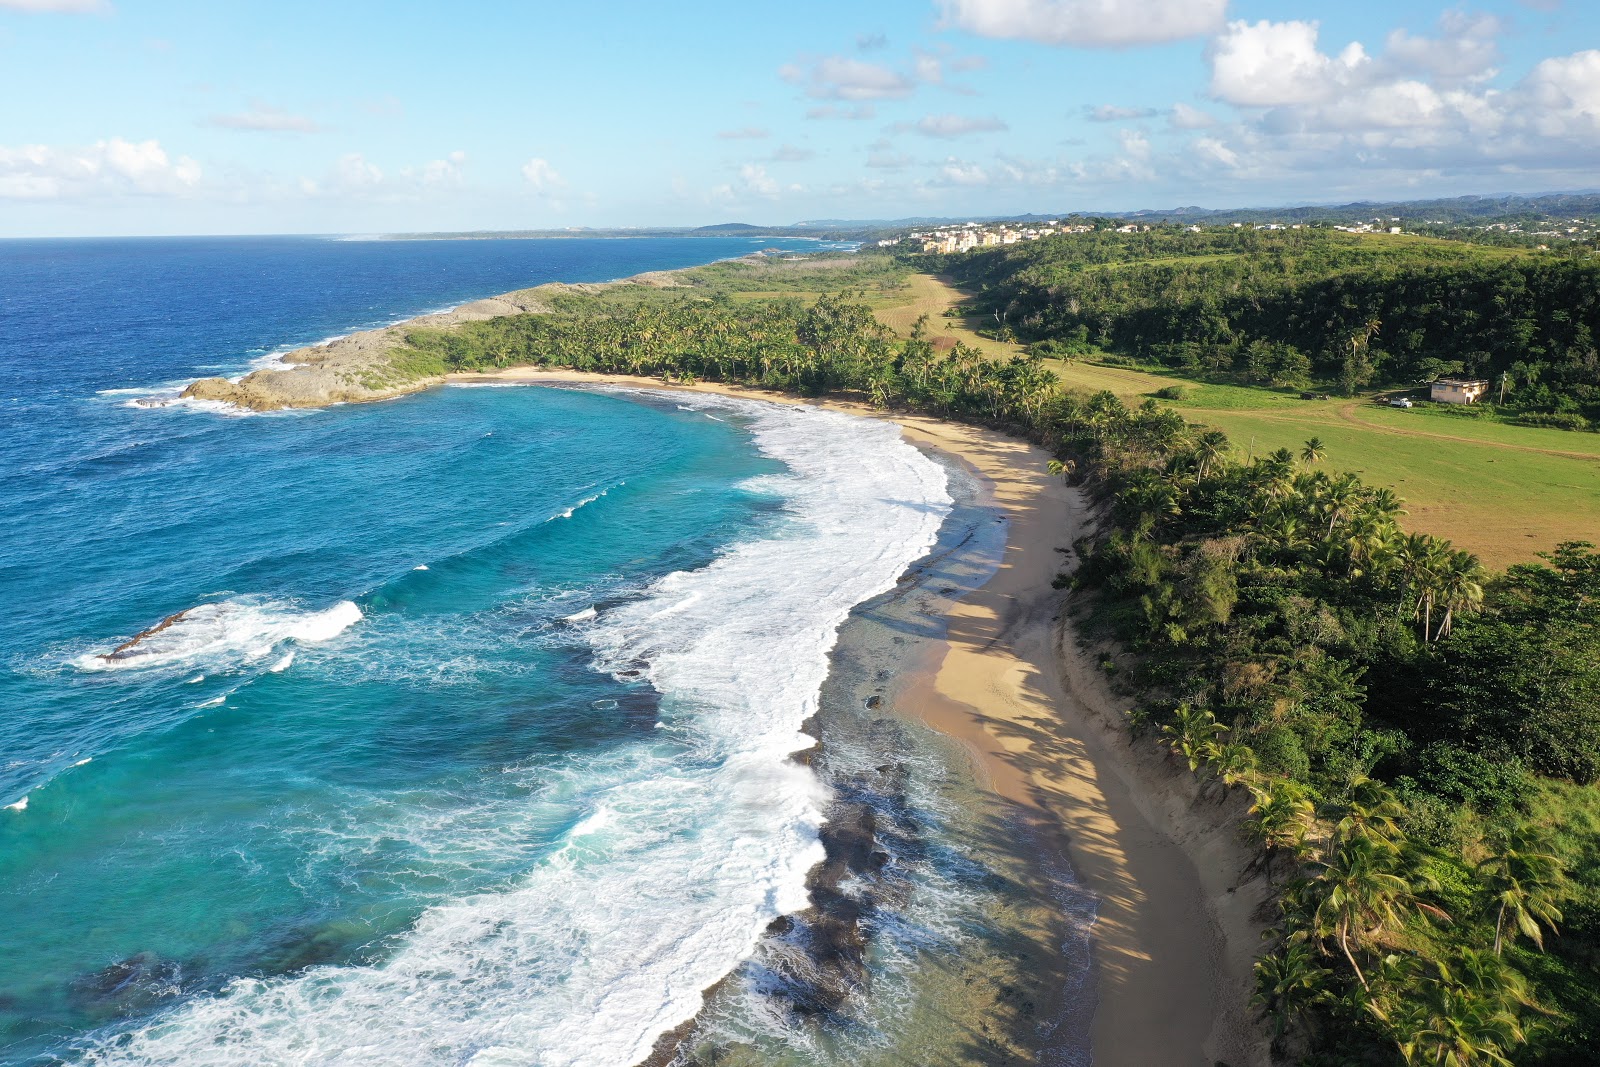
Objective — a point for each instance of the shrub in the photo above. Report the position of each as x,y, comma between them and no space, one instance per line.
1170,392
1554,420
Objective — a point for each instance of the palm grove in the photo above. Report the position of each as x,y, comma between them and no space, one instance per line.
1415,739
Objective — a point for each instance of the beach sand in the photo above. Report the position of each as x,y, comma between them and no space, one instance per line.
1176,932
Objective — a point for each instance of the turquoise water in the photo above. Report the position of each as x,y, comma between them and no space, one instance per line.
470,743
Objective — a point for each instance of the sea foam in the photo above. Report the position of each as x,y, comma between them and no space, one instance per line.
224,634
690,841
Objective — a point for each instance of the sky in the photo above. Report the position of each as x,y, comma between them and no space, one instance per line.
348,116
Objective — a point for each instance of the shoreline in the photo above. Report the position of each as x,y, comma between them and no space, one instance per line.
1174,937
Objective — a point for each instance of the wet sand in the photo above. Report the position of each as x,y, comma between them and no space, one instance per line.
1175,931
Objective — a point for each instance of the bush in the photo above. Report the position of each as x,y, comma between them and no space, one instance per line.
1553,420
1170,392
1280,752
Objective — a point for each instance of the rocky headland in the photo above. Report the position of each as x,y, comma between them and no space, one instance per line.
360,367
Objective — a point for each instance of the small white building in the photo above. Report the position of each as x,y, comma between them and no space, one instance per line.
1458,390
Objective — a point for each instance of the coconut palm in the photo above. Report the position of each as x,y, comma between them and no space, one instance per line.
1442,1022
1193,734
1460,588
1288,982
1314,452
1524,888
1282,818
1362,897
1210,448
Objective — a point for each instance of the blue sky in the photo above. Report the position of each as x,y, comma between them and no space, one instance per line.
144,116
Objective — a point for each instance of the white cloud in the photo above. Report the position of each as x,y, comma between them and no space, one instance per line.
1184,117
264,117
1466,50
833,111
353,173
754,179
1272,64
439,172
951,126
541,176
844,78
1087,23
60,6
958,172
1115,113
1564,94
1135,145
110,167
1214,151
746,133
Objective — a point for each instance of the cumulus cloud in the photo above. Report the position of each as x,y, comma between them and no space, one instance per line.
846,78
1271,64
353,173
1564,95
441,172
1420,106
746,133
541,176
1214,151
110,167
753,181
1087,23
1114,113
1184,117
871,42
264,118
959,172
1466,49
951,126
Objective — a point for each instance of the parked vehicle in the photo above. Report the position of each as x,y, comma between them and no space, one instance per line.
1402,402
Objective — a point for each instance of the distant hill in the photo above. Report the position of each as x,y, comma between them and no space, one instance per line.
1454,210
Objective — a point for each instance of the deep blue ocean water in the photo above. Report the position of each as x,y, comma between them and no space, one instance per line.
456,700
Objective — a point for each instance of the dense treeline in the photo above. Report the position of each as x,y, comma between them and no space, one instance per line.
1287,307
1407,727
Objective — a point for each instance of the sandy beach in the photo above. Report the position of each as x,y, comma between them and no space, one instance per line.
1174,936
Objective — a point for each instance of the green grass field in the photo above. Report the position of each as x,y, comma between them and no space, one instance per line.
1504,492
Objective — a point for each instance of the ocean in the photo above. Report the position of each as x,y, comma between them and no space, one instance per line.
466,738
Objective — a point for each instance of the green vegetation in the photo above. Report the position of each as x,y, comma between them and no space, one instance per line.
1409,730
1418,738
1289,307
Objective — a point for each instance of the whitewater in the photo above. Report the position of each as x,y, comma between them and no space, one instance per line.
692,837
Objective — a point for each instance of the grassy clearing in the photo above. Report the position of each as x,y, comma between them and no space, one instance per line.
1504,492
1498,495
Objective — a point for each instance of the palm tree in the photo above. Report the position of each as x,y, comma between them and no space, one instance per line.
1193,734
1287,983
1314,452
1523,886
1460,588
1236,765
1442,1022
1369,809
1362,896
1209,448
1282,819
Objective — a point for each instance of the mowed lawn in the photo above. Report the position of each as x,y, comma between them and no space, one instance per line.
1503,492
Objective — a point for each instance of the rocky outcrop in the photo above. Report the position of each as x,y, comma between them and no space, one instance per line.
359,367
